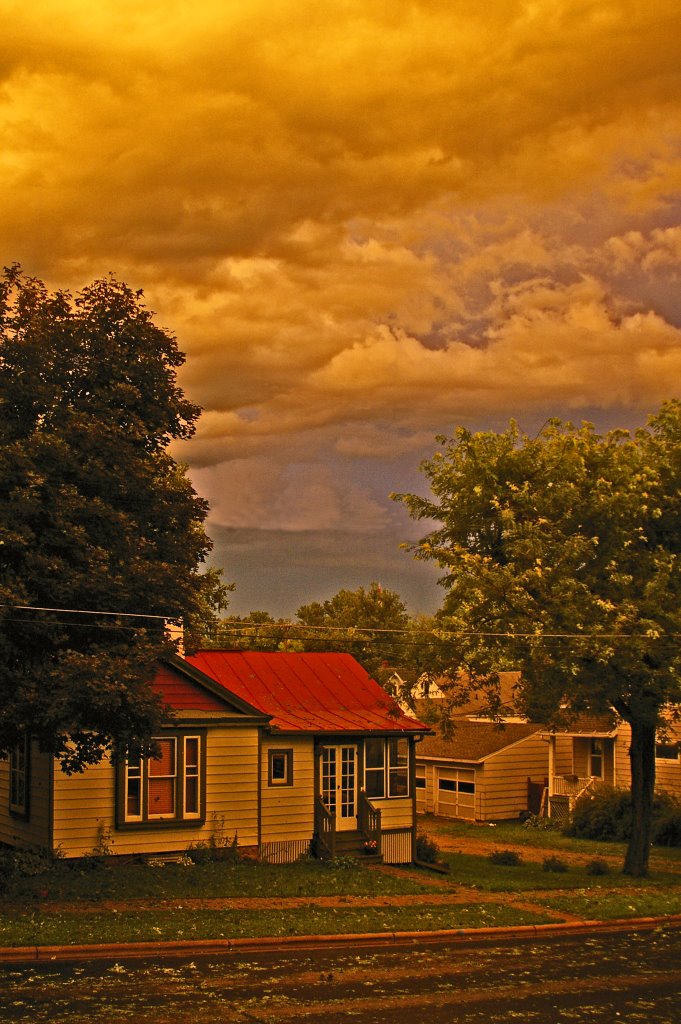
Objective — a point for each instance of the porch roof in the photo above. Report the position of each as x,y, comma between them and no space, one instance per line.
307,692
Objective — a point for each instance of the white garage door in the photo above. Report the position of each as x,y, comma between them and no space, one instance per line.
456,792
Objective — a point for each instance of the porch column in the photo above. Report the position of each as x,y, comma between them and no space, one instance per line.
552,764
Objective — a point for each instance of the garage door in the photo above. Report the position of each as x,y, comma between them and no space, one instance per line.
456,792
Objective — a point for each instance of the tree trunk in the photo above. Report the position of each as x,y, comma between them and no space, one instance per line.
642,758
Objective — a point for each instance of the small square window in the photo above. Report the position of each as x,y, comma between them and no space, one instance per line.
280,767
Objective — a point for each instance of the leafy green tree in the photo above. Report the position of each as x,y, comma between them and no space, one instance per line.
360,622
95,516
560,556
257,631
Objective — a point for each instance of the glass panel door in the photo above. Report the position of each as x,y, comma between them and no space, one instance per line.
339,784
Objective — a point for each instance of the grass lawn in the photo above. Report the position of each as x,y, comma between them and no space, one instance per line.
607,906
515,833
112,881
480,873
48,909
139,926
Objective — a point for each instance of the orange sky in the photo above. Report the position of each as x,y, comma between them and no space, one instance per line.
366,223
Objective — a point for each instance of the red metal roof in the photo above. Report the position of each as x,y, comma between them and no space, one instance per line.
307,692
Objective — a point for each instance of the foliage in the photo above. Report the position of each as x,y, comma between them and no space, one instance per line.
508,858
554,864
95,516
218,846
560,556
257,631
539,821
667,822
359,622
426,849
603,814
29,862
597,866
607,814
343,862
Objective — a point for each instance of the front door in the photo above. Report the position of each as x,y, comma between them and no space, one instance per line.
339,784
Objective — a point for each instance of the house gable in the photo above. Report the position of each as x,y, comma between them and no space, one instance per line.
185,688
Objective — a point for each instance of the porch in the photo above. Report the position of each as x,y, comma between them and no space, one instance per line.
369,841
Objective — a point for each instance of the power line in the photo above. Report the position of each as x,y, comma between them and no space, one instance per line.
241,628
86,611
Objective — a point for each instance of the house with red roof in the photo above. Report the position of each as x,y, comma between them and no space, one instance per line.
282,754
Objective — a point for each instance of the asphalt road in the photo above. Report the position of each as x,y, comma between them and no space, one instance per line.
620,978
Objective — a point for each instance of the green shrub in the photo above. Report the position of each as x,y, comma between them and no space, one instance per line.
344,862
554,864
598,867
539,822
31,862
509,858
606,814
602,814
427,849
667,820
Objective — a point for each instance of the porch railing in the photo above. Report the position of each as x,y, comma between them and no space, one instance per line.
369,822
569,785
567,789
325,830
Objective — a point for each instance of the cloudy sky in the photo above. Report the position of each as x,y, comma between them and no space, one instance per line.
366,223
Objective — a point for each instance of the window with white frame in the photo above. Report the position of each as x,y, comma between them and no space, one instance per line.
596,759
280,767
166,789
386,767
667,751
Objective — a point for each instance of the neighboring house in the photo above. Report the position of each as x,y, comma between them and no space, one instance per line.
482,770
290,753
595,751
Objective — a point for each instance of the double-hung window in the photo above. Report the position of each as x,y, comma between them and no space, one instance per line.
386,767
596,759
168,788
19,778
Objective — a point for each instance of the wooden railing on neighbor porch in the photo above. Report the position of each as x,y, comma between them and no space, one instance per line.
569,785
369,822
324,830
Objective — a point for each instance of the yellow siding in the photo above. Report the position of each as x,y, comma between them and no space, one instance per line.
35,831
288,811
84,805
667,773
395,813
502,784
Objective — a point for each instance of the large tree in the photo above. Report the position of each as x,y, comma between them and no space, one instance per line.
368,623
561,556
95,516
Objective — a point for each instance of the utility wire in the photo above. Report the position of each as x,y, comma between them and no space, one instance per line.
83,611
241,628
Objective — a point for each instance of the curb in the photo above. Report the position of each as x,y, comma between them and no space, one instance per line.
206,947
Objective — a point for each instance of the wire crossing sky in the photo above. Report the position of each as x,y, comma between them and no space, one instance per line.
366,224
